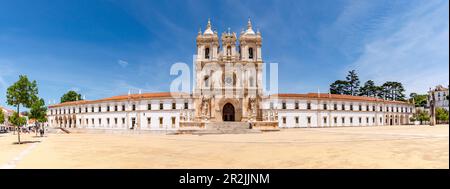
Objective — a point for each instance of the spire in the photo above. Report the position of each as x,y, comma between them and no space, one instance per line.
208,28
249,28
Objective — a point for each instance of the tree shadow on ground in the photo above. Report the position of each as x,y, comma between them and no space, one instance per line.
26,142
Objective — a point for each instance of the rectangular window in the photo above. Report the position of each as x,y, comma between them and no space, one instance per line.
134,107
115,108
296,120
149,120
86,109
115,120
149,106
174,106
367,119
309,120
367,108
99,109
343,119
92,109
335,120
79,110
335,106
351,120
99,121
360,108
284,120
123,107
360,120
107,121
160,122
325,120
87,121
351,107
173,121
161,106
123,120
107,108
373,108
343,107
308,106
283,105
92,121
373,119
325,106
186,106
296,105
381,108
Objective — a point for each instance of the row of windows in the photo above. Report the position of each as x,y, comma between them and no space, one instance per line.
122,121
335,120
109,108
250,52
342,107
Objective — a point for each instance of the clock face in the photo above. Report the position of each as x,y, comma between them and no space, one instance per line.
228,80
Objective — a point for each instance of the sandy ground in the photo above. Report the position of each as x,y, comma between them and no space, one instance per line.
355,147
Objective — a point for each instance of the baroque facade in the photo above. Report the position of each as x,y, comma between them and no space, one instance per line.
228,88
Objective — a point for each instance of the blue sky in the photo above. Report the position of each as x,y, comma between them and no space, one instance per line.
105,48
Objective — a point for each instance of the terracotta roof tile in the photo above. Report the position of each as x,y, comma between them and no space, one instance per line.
124,97
335,97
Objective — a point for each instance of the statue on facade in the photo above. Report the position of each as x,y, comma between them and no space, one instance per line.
205,106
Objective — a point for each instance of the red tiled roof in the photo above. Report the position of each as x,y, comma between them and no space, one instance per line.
335,97
124,97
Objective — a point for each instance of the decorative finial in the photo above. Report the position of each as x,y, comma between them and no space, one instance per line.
199,30
229,30
209,23
249,23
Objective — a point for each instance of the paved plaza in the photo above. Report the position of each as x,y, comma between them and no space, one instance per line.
351,147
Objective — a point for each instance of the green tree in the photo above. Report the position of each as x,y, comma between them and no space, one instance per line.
23,92
15,119
369,89
70,96
353,82
420,100
441,115
421,116
2,116
339,87
393,91
38,112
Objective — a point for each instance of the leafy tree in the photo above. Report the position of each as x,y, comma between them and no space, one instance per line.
441,115
70,96
23,92
369,89
421,116
339,87
2,116
353,82
38,111
393,91
15,119
420,100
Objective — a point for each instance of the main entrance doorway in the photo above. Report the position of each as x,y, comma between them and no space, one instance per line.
228,112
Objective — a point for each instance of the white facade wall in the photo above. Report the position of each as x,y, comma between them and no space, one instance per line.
287,115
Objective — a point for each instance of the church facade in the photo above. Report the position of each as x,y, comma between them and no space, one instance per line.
228,88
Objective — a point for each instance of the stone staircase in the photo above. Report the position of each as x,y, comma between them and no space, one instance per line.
226,128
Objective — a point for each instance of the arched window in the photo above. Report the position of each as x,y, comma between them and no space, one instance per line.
228,51
207,53
250,53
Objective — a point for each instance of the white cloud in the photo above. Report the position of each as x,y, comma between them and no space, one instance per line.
122,63
414,51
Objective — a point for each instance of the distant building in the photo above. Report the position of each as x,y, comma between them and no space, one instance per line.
440,95
7,112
